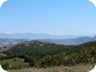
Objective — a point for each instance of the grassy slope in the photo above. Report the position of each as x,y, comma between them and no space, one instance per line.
78,68
12,63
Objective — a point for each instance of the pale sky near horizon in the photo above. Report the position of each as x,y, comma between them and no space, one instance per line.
59,17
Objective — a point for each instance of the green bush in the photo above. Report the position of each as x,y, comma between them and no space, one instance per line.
5,65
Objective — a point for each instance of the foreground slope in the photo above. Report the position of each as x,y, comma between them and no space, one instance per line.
77,68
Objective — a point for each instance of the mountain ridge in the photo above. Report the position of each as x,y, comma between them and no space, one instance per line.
34,36
11,39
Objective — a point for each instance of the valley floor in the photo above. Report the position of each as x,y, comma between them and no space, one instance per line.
77,68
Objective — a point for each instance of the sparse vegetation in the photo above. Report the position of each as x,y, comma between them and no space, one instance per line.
77,68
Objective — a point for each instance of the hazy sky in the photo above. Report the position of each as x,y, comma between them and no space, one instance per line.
63,17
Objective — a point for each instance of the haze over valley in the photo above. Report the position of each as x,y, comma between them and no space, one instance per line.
11,39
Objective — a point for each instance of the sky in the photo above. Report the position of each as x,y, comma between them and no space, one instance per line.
56,17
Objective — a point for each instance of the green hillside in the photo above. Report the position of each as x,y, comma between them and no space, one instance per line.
42,54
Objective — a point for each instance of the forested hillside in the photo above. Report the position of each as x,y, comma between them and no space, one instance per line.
43,54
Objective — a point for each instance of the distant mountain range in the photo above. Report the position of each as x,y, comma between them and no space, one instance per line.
11,39
8,42
34,36
74,41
